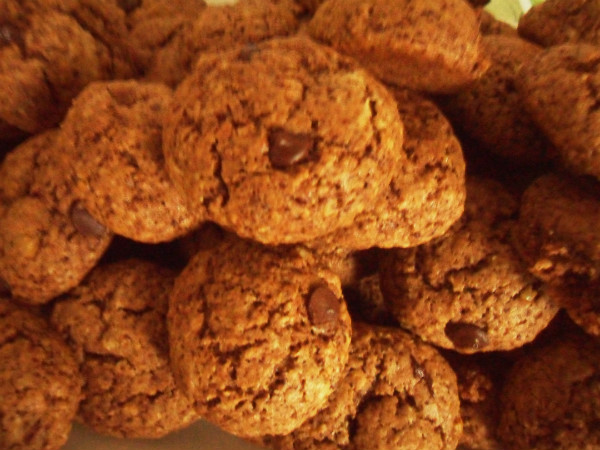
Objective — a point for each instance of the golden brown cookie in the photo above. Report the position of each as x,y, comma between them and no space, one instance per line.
259,337
48,240
116,323
115,132
282,142
396,393
425,45
40,384
468,290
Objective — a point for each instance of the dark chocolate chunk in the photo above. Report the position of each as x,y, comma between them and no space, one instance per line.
287,149
85,223
466,335
323,308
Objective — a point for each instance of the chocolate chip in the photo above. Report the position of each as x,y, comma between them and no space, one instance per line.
466,335
247,52
287,149
85,223
129,5
323,308
9,34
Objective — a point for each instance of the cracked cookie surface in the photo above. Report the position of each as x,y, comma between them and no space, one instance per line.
259,337
115,132
48,241
283,141
396,392
468,290
116,323
40,384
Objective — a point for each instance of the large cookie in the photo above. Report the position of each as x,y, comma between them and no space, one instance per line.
48,240
259,337
116,323
397,392
468,290
282,142
40,384
425,45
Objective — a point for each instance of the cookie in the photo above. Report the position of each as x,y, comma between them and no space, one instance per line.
282,142
425,196
551,398
425,45
556,22
115,132
259,337
116,323
40,384
50,51
491,111
468,290
48,240
397,392
219,28
558,237
566,78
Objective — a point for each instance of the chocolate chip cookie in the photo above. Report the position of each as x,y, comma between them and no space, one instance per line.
425,45
115,131
282,142
259,337
40,384
48,240
397,392
468,290
116,323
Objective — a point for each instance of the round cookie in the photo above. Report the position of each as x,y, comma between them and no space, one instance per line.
40,384
426,194
558,237
116,323
560,79
218,28
468,290
555,22
48,240
282,142
115,132
259,337
425,45
550,398
397,392
490,110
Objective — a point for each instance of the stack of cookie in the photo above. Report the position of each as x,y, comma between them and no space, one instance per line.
338,224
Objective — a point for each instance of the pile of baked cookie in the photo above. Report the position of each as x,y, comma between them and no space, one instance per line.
317,224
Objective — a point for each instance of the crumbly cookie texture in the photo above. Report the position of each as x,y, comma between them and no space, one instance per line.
566,78
259,337
48,240
468,290
397,392
282,142
425,45
114,130
40,384
116,323
558,236
551,397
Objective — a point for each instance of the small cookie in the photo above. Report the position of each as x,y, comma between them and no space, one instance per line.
558,236
48,240
555,22
468,290
259,337
116,323
396,393
40,384
425,45
551,397
491,111
282,142
566,78
115,132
